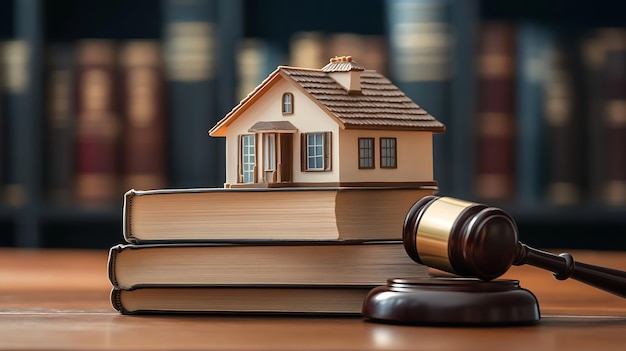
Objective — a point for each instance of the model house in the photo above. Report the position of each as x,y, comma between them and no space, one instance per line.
340,125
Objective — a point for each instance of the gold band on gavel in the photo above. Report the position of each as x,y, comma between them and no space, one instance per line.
434,229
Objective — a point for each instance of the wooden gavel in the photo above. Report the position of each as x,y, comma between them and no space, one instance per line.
473,240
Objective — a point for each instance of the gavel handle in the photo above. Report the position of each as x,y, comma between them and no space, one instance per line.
563,266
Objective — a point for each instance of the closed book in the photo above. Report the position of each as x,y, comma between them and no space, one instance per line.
614,121
307,49
496,130
256,59
208,214
564,134
593,52
313,263
300,299
603,51
143,112
190,42
98,123
14,76
60,123
420,63
534,44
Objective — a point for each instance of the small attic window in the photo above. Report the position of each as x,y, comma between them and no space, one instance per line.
287,104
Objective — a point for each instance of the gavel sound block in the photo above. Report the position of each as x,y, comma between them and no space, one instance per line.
479,243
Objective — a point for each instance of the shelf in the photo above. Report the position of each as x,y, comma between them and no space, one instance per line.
71,214
573,215
44,22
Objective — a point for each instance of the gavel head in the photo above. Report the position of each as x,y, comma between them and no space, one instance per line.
460,237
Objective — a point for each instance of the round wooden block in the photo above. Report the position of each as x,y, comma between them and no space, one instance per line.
451,301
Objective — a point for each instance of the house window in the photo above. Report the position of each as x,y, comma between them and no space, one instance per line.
287,103
366,153
248,158
388,153
316,149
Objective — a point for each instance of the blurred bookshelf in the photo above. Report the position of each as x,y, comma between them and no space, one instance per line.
64,169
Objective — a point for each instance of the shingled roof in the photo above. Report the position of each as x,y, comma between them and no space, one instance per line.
378,105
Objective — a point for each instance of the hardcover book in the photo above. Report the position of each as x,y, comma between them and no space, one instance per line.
268,213
143,111
280,263
496,154
564,125
98,123
60,123
190,42
421,46
313,299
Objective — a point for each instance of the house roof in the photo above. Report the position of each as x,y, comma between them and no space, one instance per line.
379,104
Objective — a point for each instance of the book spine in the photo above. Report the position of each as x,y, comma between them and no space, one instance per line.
534,42
143,112
603,141
307,49
465,17
3,114
614,121
111,265
256,59
127,216
116,301
190,48
420,42
14,65
60,124
495,153
593,51
564,133
98,124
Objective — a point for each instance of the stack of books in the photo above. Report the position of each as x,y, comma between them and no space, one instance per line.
259,250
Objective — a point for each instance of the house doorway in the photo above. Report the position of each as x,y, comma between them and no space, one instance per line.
277,157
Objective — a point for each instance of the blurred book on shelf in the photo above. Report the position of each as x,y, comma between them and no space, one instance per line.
98,123
190,55
60,118
565,141
420,63
602,52
144,142
307,49
496,116
534,43
614,119
14,77
256,59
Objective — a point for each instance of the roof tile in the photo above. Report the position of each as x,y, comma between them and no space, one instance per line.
380,103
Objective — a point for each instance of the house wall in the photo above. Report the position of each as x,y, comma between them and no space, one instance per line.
414,152
307,117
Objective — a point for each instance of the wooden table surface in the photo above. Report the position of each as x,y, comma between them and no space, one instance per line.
59,300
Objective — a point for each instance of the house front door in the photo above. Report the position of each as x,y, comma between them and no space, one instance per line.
277,157
285,158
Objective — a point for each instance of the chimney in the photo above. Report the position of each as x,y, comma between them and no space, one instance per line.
345,72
